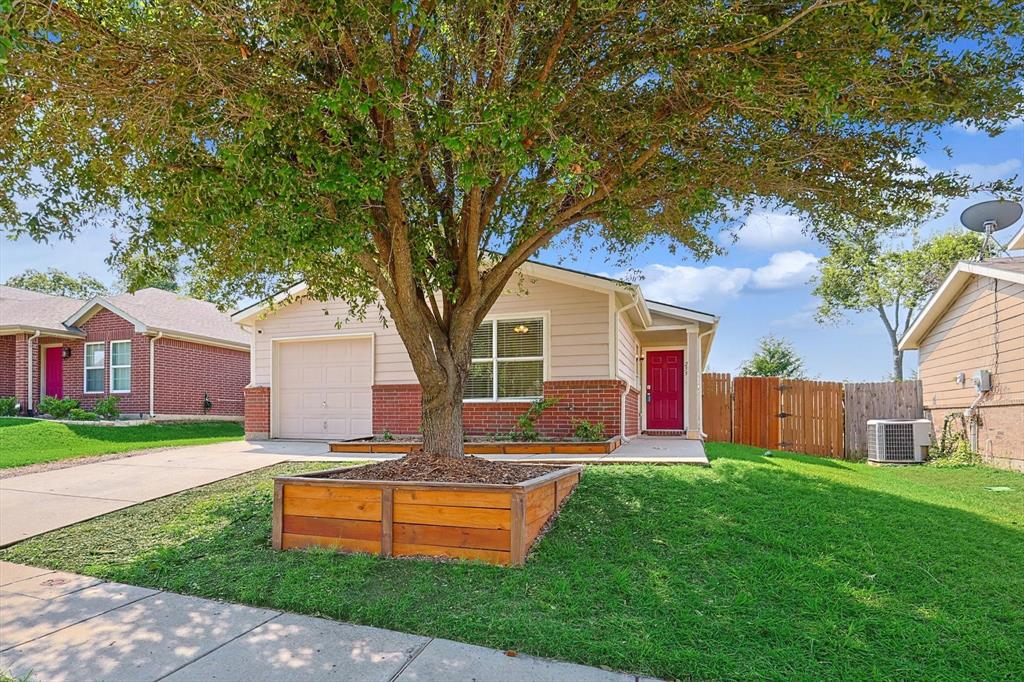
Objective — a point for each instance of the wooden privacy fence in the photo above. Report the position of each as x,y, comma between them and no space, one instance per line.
882,400
824,418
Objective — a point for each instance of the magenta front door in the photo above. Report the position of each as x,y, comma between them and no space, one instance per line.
665,389
54,383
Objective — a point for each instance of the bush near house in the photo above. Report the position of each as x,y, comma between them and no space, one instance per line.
58,408
7,407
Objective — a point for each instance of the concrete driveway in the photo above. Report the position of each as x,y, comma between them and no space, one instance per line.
40,502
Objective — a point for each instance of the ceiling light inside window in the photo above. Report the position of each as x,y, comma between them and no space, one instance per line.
521,329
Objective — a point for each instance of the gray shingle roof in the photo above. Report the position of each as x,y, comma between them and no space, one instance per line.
23,309
155,309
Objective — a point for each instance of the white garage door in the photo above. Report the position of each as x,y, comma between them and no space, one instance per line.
322,389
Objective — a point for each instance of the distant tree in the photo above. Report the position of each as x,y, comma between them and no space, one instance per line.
143,270
56,282
774,357
862,274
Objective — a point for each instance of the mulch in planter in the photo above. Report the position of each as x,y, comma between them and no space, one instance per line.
423,467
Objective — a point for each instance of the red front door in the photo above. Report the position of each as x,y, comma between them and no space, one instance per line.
665,389
55,371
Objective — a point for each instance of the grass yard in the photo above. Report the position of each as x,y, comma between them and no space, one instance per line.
782,567
29,441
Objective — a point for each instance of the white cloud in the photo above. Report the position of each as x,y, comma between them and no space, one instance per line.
686,284
982,172
763,230
785,270
1013,124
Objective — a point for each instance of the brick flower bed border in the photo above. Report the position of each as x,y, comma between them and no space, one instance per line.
493,523
602,447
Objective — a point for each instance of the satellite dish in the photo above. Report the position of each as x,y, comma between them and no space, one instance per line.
989,217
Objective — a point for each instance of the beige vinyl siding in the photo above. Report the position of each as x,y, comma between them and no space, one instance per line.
981,330
627,352
578,333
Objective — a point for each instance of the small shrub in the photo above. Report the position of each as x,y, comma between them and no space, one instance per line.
954,447
527,422
81,415
588,431
108,407
7,407
387,435
58,408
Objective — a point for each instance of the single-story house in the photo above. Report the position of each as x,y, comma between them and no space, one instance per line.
163,354
970,340
608,355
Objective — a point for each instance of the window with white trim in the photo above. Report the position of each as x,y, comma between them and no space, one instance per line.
508,360
94,358
120,366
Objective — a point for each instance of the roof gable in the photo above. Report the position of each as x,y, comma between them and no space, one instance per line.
1005,269
24,310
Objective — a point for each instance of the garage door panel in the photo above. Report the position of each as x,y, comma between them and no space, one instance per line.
332,372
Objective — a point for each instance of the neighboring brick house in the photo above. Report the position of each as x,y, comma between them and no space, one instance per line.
163,354
975,323
596,344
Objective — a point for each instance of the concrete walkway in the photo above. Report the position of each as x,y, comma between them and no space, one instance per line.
61,626
43,501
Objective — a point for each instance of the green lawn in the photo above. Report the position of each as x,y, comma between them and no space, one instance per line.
782,567
28,441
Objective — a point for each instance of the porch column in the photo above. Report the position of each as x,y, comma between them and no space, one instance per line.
694,368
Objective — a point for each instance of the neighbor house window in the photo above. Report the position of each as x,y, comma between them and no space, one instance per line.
94,357
120,366
508,360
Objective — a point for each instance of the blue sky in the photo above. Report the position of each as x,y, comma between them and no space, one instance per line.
759,286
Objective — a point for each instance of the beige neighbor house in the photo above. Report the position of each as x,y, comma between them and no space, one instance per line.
596,344
970,337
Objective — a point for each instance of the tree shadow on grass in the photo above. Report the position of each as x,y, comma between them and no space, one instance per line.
749,453
742,571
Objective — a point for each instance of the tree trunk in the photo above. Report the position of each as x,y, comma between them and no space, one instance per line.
897,365
441,418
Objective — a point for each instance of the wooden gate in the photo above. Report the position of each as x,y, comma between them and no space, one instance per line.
811,418
756,411
716,395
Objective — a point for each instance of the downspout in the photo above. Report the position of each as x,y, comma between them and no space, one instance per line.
625,393
152,373
31,373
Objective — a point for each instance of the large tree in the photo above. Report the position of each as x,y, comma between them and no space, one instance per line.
413,154
57,282
862,273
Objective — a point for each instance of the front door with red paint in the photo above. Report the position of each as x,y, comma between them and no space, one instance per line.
665,389
54,384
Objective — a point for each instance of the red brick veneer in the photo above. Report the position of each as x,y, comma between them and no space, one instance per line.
632,412
185,372
396,408
257,412
8,348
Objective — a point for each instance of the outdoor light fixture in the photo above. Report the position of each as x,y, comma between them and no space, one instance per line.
521,329
66,353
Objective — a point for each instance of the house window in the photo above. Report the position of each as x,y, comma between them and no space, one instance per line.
94,357
120,366
508,360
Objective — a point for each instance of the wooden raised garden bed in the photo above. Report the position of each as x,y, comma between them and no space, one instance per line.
602,447
493,523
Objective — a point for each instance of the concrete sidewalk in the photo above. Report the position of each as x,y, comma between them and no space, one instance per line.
43,501
61,626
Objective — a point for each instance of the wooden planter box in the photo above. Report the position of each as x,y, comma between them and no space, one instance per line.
493,523
602,447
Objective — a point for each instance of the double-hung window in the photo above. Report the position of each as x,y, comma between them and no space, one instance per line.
120,366
94,359
508,360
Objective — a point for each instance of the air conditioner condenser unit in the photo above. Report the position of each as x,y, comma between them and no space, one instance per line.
898,441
